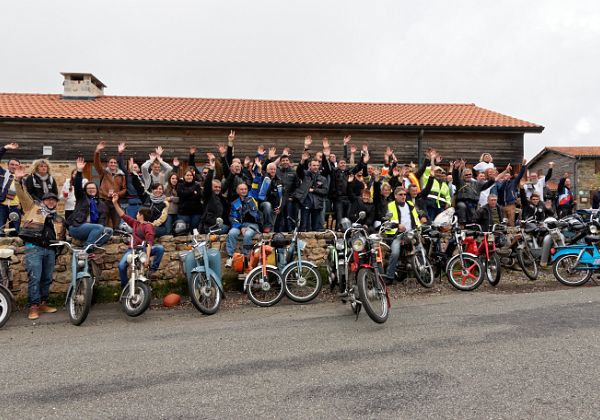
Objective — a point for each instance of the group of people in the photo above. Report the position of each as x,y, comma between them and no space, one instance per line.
251,194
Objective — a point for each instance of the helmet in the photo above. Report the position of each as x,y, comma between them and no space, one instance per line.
279,241
346,223
180,227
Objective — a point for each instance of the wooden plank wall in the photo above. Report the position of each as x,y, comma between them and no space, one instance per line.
70,140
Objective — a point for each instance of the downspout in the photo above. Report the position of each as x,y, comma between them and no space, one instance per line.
420,147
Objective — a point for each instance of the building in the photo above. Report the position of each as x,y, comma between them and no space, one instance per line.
63,126
581,163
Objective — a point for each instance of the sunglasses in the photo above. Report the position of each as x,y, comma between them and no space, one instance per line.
401,194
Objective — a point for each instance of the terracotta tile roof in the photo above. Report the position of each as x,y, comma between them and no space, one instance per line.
583,151
257,112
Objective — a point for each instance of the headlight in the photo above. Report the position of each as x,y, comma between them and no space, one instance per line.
339,244
410,235
130,258
593,229
81,258
463,235
358,244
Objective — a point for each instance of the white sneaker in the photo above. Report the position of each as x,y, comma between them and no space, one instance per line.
229,262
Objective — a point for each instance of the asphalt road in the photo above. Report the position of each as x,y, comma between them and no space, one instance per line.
473,356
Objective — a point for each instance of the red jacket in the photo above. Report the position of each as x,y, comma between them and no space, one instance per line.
141,231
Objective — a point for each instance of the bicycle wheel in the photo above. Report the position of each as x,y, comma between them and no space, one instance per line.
204,293
136,305
569,272
423,269
80,301
265,291
302,285
372,293
5,306
466,274
528,263
493,269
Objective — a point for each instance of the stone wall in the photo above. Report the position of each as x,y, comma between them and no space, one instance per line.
108,261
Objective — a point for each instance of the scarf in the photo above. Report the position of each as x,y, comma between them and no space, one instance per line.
157,200
44,180
94,213
46,211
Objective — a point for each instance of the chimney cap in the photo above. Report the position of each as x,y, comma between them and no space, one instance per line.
94,79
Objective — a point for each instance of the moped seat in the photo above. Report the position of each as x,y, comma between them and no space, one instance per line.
592,239
6,253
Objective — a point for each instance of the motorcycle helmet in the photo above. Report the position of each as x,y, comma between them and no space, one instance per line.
180,227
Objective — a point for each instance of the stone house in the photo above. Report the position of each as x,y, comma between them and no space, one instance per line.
582,164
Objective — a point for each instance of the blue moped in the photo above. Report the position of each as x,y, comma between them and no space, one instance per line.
574,265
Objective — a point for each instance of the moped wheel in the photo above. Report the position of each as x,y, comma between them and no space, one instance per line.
528,263
80,301
372,293
204,293
5,306
423,269
569,272
136,305
464,276
265,291
493,269
302,285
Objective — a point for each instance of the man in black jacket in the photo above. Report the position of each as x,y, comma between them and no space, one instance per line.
215,205
289,207
489,215
310,194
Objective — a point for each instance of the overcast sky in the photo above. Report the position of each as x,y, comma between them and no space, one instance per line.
534,60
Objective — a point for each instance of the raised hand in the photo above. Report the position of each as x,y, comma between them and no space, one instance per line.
159,151
551,164
80,163
12,146
100,146
307,141
325,143
326,151
247,161
115,198
258,162
524,162
366,157
193,150
152,156
352,149
272,153
350,177
347,139
231,136
131,163
222,149
286,151
121,147
20,171
365,148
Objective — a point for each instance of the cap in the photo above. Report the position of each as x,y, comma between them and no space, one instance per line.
49,196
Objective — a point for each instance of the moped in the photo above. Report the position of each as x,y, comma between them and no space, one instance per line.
202,267
7,298
135,297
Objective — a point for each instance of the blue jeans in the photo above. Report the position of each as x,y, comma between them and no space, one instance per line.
247,242
4,212
133,207
39,263
193,220
90,233
311,220
394,256
267,210
282,223
157,252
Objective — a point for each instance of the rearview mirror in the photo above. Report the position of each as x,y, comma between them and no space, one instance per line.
13,216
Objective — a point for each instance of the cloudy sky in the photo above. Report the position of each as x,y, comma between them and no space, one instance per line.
535,60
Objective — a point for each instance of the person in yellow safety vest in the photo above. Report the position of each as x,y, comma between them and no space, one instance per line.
438,198
408,219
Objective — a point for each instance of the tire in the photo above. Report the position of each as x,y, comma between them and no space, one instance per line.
563,269
528,263
423,269
304,285
372,293
139,303
493,269
468,279
5,306
268,291
80,301
204,294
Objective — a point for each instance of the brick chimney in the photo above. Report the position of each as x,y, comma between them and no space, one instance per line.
82,86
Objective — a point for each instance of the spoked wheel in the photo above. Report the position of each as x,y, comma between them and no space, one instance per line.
466,274
139,302
528,263
372,292
493,269
204,293
5,306
265,291
80,301
423,269
302,284
569,272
